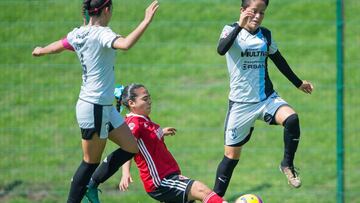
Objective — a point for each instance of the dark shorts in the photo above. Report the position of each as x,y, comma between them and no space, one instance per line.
173,189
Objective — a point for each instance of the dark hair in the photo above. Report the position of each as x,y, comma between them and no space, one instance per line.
95,7
128,94
246,3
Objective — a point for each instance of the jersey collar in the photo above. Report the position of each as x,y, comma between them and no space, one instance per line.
137,115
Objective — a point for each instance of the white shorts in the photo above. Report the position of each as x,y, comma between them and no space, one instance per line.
241,118
96,118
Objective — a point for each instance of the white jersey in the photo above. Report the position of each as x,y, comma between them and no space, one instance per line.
93,45
247,66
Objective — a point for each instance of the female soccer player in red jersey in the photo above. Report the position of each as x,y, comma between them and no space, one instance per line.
159,171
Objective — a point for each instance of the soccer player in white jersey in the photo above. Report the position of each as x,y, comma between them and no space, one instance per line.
246,47
95,45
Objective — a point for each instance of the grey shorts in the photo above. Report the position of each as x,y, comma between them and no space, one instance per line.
241,118
97,118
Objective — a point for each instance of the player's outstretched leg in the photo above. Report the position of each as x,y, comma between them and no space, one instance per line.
108,167
79,181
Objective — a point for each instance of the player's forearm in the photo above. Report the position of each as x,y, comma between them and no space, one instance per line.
53,48
127,42
285,69
226,43
126,168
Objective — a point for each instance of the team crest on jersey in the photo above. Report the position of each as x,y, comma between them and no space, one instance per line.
131,126
224,34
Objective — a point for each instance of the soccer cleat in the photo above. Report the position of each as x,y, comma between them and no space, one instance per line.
92,195
292,175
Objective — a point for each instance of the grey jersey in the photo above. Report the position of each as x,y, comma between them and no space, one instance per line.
93,45
247,66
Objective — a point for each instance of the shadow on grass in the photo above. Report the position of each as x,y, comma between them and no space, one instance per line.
9,187
253,190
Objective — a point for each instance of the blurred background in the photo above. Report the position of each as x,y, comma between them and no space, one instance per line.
176,59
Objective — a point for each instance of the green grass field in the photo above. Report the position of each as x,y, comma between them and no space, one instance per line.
177,60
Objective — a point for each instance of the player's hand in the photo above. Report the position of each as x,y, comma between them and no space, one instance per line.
150,11
37,51
245,15
169,131
306,87
125,182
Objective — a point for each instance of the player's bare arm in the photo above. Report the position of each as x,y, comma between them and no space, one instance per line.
126,178
127,42
53,48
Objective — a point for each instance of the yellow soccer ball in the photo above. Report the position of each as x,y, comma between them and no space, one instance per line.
249,198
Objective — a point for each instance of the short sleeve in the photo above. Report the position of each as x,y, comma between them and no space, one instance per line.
70,37
66,44
226,31
273,47
107,37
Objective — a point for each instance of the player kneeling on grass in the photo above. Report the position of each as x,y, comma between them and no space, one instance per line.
159,170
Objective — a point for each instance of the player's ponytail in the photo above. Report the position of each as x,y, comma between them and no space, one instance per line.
94,7
118,97
85,8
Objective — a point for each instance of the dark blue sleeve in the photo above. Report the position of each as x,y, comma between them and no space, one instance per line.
285,69
226,43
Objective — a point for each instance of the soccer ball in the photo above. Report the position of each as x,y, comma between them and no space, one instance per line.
249,198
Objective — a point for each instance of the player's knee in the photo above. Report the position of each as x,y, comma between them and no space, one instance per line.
199,191
292,124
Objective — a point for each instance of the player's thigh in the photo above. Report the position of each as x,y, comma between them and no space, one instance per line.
122,136
275,110
283,113
92,120
93,149
120,133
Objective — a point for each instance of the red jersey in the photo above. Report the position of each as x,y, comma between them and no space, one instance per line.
154,159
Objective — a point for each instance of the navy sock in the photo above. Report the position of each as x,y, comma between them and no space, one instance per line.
291,139
223,175
79,182
109,166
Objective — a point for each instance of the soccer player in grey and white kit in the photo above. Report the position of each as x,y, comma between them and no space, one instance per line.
246,47
95,45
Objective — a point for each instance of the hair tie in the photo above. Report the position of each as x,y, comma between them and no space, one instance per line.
118,93
95,10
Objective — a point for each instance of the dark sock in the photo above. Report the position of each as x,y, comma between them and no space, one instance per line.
109,166
291,139
223,175
79,181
